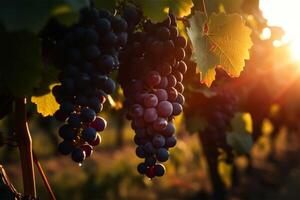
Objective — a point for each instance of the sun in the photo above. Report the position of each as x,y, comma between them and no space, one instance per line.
285,14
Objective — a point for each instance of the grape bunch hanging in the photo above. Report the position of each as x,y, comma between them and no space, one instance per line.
86,56
151,75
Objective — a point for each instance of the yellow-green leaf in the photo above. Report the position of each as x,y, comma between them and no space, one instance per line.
155,10
240,136
221,40
46,104
232,41
205,59
181,8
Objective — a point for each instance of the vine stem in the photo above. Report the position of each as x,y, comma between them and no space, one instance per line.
25,147
211,153
44,177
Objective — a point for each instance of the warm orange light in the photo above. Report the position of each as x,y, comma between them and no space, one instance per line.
284,13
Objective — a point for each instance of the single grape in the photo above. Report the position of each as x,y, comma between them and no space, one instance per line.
153,78
87,115
88,149
171,141
161,94
150,100
66,132
150,161
177,109
99,124
160,124
158,141
78,155
162,155
169,130
136,111
139,151
74,120
65,147
164,109
89,134
142,168
150,115
159,170
96,142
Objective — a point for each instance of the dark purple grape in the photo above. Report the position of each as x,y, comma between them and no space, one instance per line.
99,124
150,172
180,41
140,152
96,142
171,141
74,120
89,134
180,99
179,87
158,141
142,168
150,161
65,147
172,94
164,109
103,26
148,148
179,54
87,115
169,130
109,86
161,94
181,67
78,155
150,100
150,115
160,124
67,132
171,80
163,33
177,109
88,150
153,78
162,155
159,170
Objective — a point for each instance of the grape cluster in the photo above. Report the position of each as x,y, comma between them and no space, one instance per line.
222,109
86,56
151,75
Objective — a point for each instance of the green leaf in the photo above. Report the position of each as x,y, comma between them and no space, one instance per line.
21,62
31,14
155,10
223,41
49,76
240,136
181,8
46,104
106,4
203,56
231,37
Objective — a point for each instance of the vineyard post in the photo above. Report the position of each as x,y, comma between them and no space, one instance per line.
211,153
25,147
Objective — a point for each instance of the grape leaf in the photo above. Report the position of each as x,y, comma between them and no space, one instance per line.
155,10
240,136
105,4
21,62
181,8
227,41
31,14
46,104
232,39
203,56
